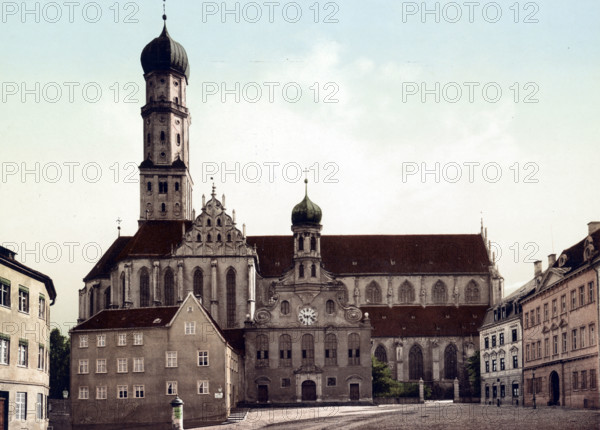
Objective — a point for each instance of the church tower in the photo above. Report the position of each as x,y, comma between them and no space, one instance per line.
306,225
165,182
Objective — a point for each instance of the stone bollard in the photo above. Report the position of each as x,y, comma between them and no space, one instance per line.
456,391
177,417
421,391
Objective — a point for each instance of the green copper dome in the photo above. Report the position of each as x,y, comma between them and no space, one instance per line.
306,212
163,53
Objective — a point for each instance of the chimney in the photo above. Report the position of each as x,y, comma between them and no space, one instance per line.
537,268
593,226
551,260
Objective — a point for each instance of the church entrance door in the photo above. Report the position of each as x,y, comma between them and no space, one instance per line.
263,393
354,392
554,389
309,391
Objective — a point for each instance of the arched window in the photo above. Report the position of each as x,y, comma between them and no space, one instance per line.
330,350
209,238
198,237
450,363
177,102
285,307
163,207
330,307
262,351
176,186
300,243
373,293
92,301
285,350
301,270
472,292
415,363
107,298
439,292
149,185
144,288
313,243
406,293
169,288
228,237
381,353
198,283
219,237
178,136
353,350
313,271
123,289
308,349
218,222
230,280
149,138
162,135
343,294
208,223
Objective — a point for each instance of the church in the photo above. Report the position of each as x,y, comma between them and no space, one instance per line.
306,310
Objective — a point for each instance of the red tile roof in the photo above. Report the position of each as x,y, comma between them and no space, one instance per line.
411,321
380,254
129,318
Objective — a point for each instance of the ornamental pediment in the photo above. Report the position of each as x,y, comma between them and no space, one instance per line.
554,326
562,323
545,329
308,368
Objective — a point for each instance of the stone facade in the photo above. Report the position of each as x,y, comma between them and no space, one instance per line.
25,300
128,365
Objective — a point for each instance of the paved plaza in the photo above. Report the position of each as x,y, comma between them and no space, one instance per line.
431,415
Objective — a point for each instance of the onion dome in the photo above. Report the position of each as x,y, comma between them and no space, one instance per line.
163,53
306,212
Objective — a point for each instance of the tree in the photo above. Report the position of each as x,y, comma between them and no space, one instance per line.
382,377
474,369
60,359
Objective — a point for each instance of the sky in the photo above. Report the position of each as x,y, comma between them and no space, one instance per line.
410,117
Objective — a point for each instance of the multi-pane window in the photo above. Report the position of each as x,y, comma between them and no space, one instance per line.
4,349
373,293
502,390
564,342
101,365
563,303
198,279
122,391
575,380
554,308
83,366
487,342
584,379
138,339
573,300
515,360
527,355
285,307
23,355
592,334
39,407
330,307
330,350
121,365
202,358
493,341
555,344
353,349
501,338
4,293
582,337
101,340
581,295
537,315
41,356
83,341
171,358
190,327
546,312
262,350
592,379
539,349
285,350
308,349
122,340
138,364
171,388
286,382
494,366
526,319
23,299
574,339
101,393
203,387
231,298
21,406
84,393
591,297
331,382
514,335
138,391
487,366
546,347
144,288
42,307
502,365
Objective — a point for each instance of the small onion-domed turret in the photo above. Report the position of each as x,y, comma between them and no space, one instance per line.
306,212
163,53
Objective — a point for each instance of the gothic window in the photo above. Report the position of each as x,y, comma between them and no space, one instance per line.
107,298
439,292
308,350
330,350
381,354
313,271
209,238
219,237
472,292
301,270
198,237
262,351
415,363
218,222
149,185
285,307
163,207
406,293
144,288
123,289
91,302
313,243
300,243
228,237
285,350
330,307
230,298
178,138
208,222
450,363
353,350
169,288
373,293
198,283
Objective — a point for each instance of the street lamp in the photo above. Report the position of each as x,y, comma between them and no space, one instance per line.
533,389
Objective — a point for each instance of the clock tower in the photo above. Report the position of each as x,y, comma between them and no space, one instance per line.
165,182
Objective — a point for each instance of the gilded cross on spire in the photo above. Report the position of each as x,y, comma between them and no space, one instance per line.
119,221
213,194
306,181
164,17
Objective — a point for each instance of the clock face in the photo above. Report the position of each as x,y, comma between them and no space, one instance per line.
307,316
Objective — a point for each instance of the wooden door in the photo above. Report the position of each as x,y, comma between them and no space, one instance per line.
354,392
263,393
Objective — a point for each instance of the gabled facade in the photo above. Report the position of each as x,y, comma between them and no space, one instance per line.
127,365
25,299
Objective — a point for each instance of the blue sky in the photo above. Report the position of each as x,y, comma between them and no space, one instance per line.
533,164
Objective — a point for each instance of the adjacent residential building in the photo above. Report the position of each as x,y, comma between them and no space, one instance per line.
127,365
561,330
25,299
